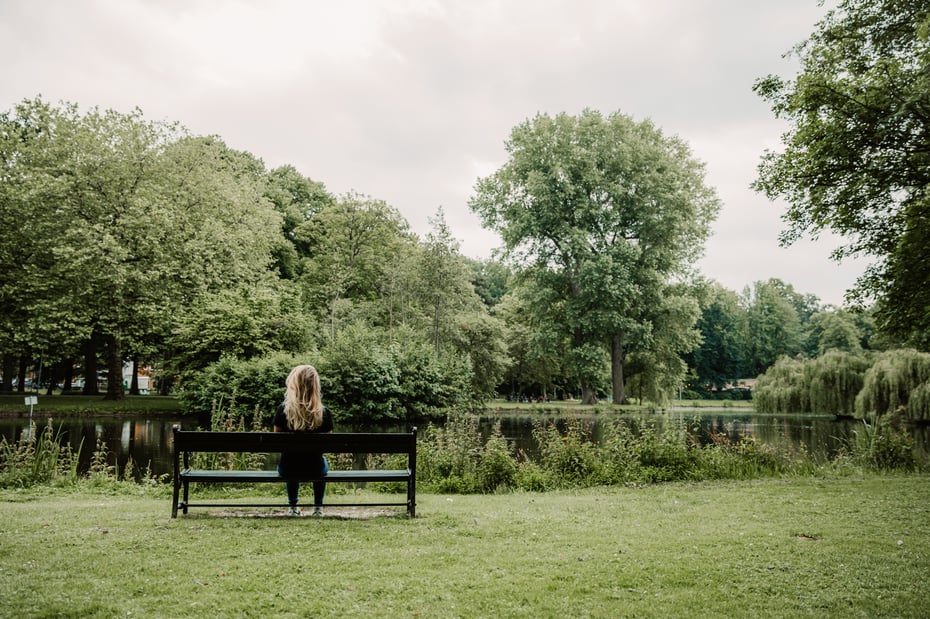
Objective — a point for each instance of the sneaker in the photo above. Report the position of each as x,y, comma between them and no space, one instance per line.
294,511
317,511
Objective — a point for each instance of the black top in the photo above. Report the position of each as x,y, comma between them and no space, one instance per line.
301,465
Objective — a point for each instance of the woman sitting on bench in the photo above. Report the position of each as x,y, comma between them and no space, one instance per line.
303,411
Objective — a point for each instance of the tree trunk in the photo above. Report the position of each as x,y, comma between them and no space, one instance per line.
90,365
21,375
134,383
115,389
9,369
67,368
53,371
617,357
588,396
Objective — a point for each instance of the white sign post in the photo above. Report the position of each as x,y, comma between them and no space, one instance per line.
31,401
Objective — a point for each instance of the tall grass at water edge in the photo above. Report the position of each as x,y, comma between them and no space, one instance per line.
455,458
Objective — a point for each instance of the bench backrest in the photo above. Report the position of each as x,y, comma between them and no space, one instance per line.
295,442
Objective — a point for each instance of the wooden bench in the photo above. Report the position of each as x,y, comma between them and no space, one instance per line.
189,442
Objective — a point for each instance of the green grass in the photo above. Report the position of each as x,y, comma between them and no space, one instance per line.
837,547
83,404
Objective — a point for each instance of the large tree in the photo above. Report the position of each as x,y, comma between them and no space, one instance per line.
603,211
857,154
132,220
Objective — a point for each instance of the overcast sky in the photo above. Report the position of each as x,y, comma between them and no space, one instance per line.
411,101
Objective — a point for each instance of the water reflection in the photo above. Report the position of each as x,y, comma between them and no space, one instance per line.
147,442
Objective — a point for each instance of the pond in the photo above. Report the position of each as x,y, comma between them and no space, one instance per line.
148,441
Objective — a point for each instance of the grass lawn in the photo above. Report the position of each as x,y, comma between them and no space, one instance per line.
837,547
85,404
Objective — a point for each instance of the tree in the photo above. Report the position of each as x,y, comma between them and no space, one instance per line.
774,325
243,322
445,290
535,349
834,330
297,198
721,356
350,245
130,220
857,155
601,211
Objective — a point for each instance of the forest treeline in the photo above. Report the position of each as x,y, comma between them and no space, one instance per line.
131,241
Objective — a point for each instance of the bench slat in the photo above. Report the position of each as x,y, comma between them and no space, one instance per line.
272,476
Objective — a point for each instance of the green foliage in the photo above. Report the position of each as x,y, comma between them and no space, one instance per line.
833,330
35,459
829,384
448,456
722,354
774,323
245,321
242,387
572,458
854,160
455,459
360,379
834,380
364,378
783,388
600,211
890,383
884,445
227,417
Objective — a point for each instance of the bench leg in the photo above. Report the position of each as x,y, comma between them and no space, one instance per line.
174,500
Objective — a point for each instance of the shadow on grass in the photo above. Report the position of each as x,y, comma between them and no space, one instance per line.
329,513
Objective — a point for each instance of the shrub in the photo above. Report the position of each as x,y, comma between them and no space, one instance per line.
884,444
497,468
448,456
241,387
572,458
365,378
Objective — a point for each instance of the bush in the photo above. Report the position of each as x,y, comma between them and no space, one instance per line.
884,444
367,379
497,468
241,388
572,458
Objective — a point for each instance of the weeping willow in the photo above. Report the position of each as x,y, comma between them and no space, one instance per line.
835,380
781,388
828,385
898,383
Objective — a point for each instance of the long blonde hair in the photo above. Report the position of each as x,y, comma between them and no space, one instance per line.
303,403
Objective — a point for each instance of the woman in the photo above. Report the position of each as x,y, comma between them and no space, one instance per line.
303,411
